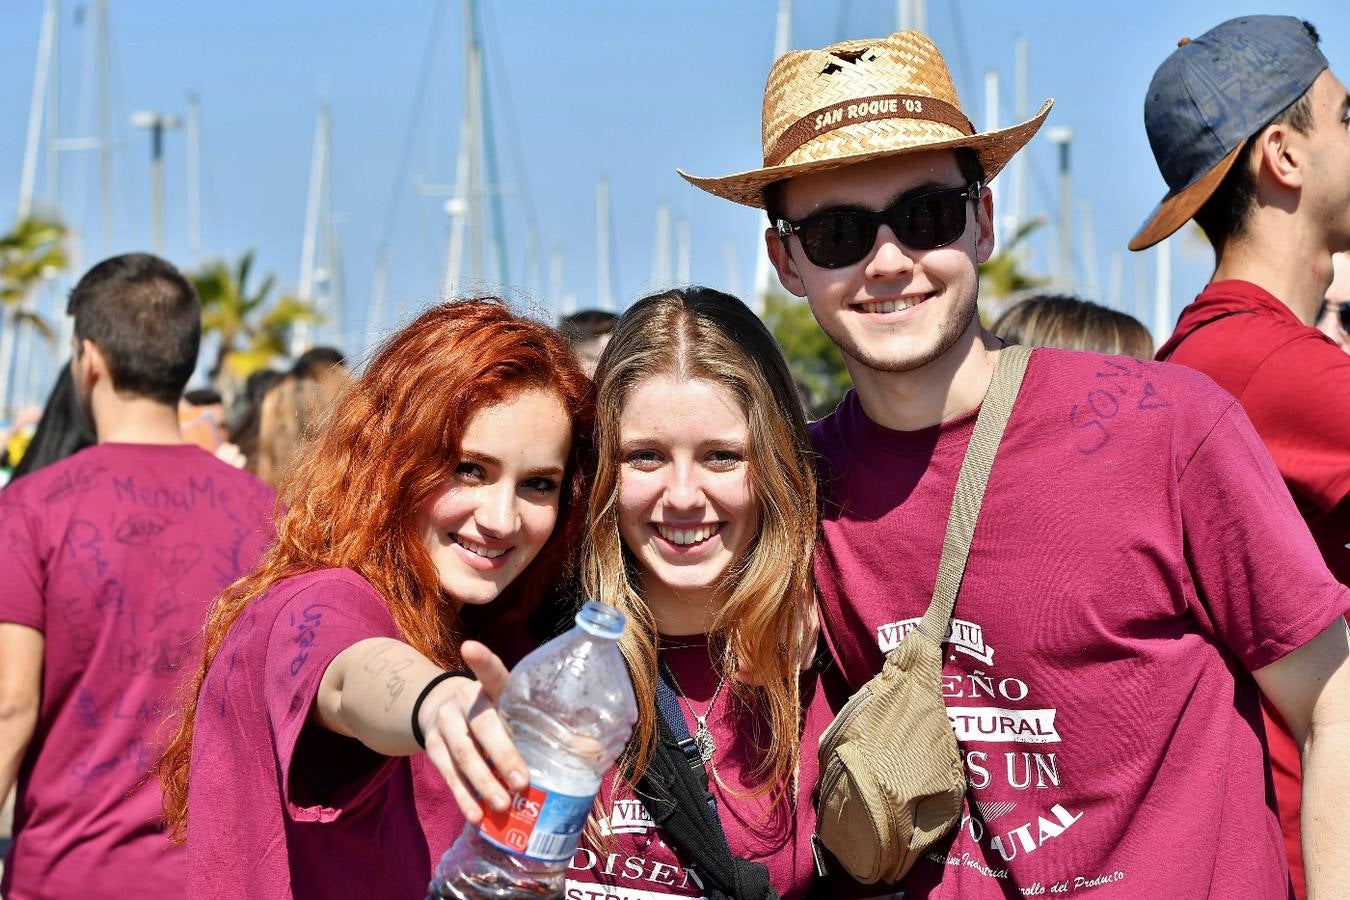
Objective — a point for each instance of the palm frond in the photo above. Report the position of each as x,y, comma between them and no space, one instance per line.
29,318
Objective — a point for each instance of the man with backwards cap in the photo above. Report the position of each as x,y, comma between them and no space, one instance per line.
1250,130
1138,567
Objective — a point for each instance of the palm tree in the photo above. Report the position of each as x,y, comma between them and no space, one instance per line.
252,333
34,250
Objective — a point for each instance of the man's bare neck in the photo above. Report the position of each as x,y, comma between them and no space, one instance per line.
1292,265
136,420
950,386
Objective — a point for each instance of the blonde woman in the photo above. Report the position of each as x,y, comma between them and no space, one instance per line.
292,410
702,524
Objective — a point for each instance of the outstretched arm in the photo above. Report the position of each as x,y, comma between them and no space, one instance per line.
1311,689
368,693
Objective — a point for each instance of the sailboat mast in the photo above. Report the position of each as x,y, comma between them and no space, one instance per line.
35,108
991,117
661,250
194,174
683,252
379,301
473,105
54,113
1019,161
102,53
300,334
782,39
532,253
1162,293
493,179
9,337
1091,277
603,290
557,302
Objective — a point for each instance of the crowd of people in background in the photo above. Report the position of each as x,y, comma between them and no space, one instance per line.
220,606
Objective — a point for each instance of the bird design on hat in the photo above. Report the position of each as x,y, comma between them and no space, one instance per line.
865,54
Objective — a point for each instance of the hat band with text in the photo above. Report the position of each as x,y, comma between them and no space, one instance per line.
865,109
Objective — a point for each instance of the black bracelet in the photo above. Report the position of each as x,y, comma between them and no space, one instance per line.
417,704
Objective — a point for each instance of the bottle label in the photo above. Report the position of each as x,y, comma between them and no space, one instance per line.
539,824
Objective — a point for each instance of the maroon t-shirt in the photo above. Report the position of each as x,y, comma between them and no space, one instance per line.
1136,556
278,810
114,554
1294,384
631,860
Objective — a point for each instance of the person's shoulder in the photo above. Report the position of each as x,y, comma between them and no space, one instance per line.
320,586
1155,401
1095,367
1235,319
67,478
331,598
1103,371
1303,354
345,580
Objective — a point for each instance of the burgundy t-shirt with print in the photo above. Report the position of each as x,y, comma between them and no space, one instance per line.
1293,383
278,810
114,554
1136,556
631,860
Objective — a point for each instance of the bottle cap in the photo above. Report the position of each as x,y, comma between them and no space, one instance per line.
601,620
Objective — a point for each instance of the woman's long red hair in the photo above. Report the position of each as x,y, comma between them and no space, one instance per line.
393,438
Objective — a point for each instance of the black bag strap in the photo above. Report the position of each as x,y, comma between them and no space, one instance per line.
675,792
668,705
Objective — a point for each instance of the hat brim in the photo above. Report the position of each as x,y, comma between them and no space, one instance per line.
1179,207
994,149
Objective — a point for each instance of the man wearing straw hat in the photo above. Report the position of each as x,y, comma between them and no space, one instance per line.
1248,126
1134,560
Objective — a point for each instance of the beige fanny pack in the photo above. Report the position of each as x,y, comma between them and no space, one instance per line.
892,780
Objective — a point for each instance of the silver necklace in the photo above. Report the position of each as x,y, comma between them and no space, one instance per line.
703,738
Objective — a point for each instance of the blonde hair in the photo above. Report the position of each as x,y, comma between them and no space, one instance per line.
293,411
1073,324
697,333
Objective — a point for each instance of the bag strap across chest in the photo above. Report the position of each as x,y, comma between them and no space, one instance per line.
970,487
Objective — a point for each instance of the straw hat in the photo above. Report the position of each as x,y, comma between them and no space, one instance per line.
860,100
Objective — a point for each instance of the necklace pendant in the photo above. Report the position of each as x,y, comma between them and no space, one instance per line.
703,739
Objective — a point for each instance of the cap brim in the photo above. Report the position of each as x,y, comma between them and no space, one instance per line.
994,149
1176,209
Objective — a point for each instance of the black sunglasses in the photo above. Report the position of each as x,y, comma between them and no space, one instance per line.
1342,312
840,237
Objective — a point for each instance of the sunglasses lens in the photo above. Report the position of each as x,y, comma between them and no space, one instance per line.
841,237
838,238
929,221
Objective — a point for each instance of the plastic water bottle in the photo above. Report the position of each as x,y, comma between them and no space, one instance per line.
570,709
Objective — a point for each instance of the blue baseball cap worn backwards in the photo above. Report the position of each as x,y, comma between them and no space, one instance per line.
1209,97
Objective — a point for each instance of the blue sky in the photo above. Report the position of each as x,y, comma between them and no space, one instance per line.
580,90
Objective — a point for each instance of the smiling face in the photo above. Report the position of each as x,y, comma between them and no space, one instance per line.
897,309
494,514
685,507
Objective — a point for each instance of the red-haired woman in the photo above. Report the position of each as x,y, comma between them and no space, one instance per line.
438,504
